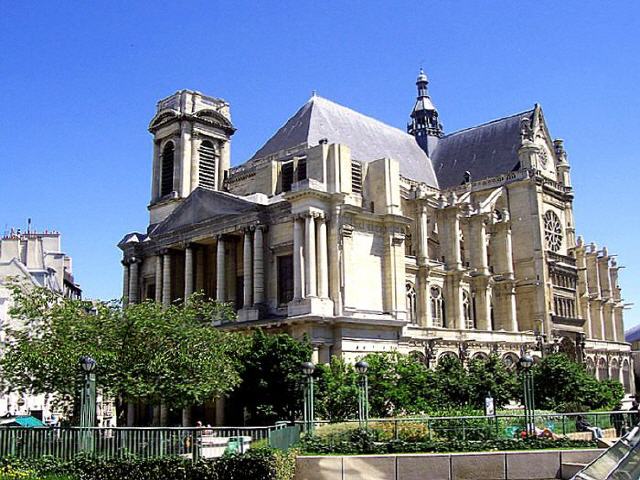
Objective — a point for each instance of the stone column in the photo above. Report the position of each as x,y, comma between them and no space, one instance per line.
166,278
221,295
423,233
511,324
478,245
310,256
134,286
503,247
247,262
482,300
199,268
158,295
298,259
188,272
258,265
156,177
610,324
125,281
323,266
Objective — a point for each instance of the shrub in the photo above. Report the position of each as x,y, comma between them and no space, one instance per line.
259,463
365,442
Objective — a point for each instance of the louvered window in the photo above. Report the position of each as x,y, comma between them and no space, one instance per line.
166,181
287,176
356,176
207,163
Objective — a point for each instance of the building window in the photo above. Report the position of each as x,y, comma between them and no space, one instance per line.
510,361
356,176
615,370
301,169
285,279
166,181
467,308
552,231
411,303
437,308
603,371
287,176
591,368
207,163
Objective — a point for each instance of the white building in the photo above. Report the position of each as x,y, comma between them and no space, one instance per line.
32,259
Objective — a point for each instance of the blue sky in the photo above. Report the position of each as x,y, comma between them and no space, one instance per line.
79,82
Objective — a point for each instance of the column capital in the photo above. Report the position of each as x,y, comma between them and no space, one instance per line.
262,227
163,251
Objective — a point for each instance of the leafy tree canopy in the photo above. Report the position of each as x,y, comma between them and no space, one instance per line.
143,351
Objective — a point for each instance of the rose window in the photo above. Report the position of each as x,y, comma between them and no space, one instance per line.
552,231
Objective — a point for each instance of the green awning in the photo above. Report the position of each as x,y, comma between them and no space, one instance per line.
28,421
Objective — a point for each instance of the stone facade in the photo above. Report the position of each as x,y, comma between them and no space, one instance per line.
370,239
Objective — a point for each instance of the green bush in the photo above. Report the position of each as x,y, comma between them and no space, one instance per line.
264,464
366,442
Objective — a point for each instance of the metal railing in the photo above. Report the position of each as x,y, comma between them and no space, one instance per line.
145,442
479,427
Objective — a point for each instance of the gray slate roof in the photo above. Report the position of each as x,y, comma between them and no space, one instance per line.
485,151
368,138
632,335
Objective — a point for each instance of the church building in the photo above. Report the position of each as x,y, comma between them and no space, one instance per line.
368,238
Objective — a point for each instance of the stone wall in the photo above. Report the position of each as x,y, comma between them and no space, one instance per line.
532,465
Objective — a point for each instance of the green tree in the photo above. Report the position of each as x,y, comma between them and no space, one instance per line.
452,383
399,384
337,393
564,385
143,351
272,380
491,376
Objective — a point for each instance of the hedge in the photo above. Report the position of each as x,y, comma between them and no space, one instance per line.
366,442
265,464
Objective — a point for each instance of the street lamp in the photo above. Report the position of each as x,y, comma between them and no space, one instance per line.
363,394
88,392
307,369
526,362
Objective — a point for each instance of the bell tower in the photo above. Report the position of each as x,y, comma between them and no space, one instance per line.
424,124
191,148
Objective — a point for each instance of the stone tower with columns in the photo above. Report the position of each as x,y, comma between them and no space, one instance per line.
366,238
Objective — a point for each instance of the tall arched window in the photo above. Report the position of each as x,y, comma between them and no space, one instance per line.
591,368
166,180
411,303
207,162
603,370
437,308
626,379
467,308
615,370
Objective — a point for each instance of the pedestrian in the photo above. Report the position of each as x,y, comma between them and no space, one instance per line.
617,420
582,425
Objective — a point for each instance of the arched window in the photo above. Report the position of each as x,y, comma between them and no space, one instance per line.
626,379
411,303
591,368
480,356
615,370
207,163
166,180
603,371
510,361
467,308
437,308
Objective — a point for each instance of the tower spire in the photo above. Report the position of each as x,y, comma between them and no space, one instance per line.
424,124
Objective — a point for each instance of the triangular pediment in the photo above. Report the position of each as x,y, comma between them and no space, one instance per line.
204,206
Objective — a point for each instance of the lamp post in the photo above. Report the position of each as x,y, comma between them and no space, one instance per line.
307,369
88,401
526,362
363,397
